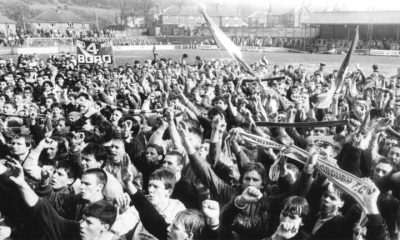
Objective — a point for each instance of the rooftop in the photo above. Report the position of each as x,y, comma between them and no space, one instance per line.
4,19
58,16
216,10
375,17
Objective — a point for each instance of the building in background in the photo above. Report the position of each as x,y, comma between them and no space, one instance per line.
377,29
7,26
187,17
59,22
279,18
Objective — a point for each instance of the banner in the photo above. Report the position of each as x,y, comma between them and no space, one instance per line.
376,52
352,185
130,111
260,141
91,52
207,47
303,124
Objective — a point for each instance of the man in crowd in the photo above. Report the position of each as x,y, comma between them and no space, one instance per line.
183,133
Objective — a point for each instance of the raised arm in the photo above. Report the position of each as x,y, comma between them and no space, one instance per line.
203,170
376,227
218,128
28,195
156,137
31,163
151,219
188,103
176,140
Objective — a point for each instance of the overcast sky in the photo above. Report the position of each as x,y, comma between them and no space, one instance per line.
352,5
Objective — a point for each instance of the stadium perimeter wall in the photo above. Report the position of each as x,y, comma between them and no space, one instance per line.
72,49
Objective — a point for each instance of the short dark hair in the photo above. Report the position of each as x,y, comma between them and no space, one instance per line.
99,173
218,98
85,95
98,151
337,191
166,176
159,149
296,205
103,210
28,139
11,103
56,105
181,160
72,168
5,96
62,144
384,160
259,168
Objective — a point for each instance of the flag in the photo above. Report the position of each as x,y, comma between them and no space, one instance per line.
154,48
224,42
113,53
93,52
325,99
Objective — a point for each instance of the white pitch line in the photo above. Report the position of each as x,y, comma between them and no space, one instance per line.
126,56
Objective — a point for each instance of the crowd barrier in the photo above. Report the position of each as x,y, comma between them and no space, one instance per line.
377,52
246,48
72,49
144,47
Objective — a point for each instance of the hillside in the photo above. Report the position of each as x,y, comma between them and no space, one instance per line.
106,11
24,10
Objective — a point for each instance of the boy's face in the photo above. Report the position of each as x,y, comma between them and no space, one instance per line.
382,169
51,151
60,179
84,104
394,155
330,203
286,219
158,194
3,85
117,151
178,232
221,105
19,146
60,126
252,178
8,109
89,161
56,111
90,187
152,155
18,99
171,162
91,228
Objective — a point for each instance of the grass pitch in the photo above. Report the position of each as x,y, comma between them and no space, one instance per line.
387,65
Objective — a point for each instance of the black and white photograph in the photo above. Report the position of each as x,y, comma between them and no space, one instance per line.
199,120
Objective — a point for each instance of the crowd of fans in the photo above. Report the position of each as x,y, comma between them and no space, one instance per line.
384,44
140,152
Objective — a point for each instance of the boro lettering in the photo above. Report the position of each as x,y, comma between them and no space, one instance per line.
361,189
94,59
334,174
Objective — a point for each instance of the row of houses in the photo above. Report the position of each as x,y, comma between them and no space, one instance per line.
62,20
230,17
329,25
51,21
